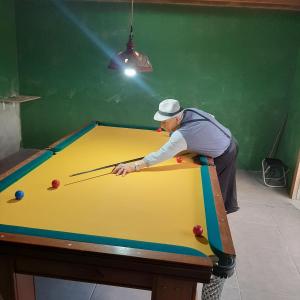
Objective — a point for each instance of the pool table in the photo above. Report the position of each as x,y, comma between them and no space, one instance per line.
134,231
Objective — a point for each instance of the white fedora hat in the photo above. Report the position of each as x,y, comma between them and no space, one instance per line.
168,108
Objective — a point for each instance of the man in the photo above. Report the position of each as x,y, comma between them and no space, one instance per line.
196,131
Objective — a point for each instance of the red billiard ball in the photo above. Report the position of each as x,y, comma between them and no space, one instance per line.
198,230
159,130
179,159
55,183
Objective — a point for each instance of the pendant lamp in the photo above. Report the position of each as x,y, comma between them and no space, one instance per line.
130,61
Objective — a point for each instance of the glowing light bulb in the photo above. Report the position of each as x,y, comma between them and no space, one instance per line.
130,72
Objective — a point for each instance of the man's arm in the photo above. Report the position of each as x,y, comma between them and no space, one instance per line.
175,144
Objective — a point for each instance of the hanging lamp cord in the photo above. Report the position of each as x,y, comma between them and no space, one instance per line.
131,17
131,21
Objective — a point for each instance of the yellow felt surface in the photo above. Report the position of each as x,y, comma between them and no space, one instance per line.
160,204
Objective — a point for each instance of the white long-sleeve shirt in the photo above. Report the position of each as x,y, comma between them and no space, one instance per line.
175,144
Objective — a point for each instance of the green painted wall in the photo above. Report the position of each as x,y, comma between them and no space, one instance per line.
238,64
290,142
8,50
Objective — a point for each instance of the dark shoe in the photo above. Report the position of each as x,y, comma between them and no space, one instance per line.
232,210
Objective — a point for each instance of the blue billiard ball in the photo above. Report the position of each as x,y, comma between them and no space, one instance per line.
19,195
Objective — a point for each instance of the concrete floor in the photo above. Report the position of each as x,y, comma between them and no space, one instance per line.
266,234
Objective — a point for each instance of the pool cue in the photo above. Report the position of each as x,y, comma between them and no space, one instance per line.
109,166
278,137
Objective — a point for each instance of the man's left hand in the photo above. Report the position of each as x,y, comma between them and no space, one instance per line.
123,169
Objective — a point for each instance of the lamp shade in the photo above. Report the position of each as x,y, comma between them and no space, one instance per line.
131,59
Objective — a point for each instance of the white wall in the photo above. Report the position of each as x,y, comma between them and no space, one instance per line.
10,129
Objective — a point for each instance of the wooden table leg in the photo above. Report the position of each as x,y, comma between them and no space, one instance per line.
14,286
7,289
167,288
24,285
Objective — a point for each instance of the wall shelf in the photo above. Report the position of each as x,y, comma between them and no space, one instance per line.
19,99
